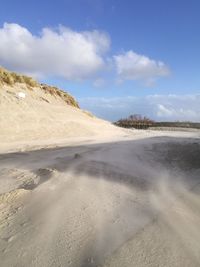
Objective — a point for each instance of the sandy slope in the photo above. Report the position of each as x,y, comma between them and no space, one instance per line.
41,118
131,202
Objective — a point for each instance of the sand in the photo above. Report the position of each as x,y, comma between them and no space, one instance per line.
130,201
76,191
42,119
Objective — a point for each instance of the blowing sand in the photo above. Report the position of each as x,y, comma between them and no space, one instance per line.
132,200
76,191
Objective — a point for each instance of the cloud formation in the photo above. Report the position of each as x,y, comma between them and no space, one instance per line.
132,66
61,52
157,107
72,55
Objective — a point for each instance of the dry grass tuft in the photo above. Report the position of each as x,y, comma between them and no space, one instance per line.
30,81
54,91
10,78
6,77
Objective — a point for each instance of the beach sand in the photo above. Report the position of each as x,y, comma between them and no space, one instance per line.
128,200
77,191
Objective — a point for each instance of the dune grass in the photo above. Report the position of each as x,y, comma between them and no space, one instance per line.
54,91
10,78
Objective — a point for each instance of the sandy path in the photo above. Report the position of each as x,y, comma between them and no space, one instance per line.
123,203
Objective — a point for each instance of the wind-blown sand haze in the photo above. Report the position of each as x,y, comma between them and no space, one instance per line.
77,191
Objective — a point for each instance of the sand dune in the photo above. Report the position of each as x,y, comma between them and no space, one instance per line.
41,118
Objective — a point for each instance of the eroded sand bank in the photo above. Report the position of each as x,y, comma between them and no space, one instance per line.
133,201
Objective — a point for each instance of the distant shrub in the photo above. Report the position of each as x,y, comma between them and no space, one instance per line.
135,121
140,122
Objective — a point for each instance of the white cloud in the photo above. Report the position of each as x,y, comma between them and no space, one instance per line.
178,113
61,52
164,112
132,66
72,55
157,107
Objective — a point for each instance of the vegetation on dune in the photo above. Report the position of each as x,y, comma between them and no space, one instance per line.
11,78
54,91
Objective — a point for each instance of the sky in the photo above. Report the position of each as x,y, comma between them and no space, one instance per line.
116,58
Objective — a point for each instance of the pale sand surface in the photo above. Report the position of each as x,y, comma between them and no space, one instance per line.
31,121
77,191
126,200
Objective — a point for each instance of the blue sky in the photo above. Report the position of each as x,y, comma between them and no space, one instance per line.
116,57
